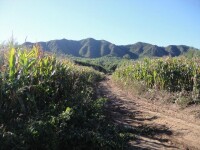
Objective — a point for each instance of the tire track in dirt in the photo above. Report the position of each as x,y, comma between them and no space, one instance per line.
155,127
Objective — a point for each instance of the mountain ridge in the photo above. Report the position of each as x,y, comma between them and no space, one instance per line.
92,48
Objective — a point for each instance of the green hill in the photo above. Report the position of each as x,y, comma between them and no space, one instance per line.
91,48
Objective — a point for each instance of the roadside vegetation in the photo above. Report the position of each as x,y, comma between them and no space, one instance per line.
106,64
50,103
179,76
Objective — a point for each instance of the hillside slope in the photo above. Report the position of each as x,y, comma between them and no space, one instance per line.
91,48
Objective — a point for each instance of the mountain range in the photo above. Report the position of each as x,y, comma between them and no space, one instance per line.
91,48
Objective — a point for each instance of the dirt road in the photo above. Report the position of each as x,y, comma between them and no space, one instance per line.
156,126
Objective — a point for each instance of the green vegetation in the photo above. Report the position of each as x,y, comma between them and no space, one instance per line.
47,103
192,54
172,74
103,64
91,48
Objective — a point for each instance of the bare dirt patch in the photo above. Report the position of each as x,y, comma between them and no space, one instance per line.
156,125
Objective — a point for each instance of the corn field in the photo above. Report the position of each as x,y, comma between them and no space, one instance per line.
171,74
49,103
30,80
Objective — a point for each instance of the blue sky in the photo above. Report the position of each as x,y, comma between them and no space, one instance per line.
159,22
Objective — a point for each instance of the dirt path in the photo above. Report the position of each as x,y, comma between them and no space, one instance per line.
156,127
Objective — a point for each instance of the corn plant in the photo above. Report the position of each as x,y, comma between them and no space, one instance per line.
43,100
172,74
33,80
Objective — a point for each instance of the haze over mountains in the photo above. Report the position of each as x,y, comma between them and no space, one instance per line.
91,48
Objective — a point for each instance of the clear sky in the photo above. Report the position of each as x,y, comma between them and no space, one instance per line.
160,22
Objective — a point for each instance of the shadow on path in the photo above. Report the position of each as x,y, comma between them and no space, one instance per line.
126,114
